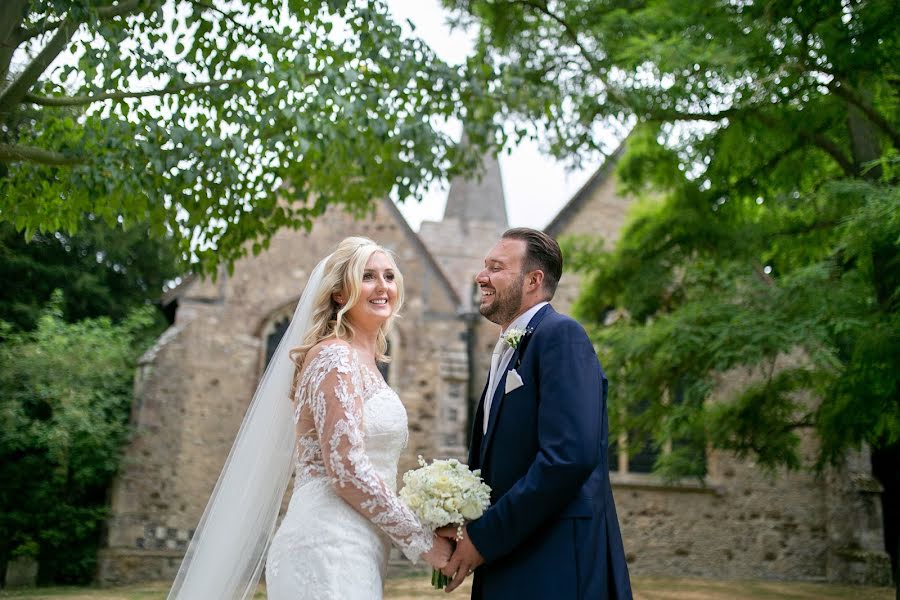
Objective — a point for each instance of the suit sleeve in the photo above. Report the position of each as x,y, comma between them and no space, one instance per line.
569,438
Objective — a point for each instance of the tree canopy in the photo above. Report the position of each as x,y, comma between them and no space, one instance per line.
764,143
763,146
196,117
65,397
100,270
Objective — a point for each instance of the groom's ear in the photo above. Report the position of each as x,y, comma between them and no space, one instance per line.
534,281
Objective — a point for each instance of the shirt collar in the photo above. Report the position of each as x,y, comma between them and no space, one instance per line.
524,319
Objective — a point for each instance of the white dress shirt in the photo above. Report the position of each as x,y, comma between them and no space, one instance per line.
502,355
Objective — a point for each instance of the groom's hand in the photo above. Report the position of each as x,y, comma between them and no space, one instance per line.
448,532
465,559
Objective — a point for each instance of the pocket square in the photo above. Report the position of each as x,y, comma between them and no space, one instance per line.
513,381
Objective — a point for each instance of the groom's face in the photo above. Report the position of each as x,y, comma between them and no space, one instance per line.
501,282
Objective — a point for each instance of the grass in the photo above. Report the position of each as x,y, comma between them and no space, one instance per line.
645,588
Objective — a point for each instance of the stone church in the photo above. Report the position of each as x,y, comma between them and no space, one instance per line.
193,386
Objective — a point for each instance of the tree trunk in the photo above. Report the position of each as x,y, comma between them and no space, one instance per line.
864,141
12,13
884,468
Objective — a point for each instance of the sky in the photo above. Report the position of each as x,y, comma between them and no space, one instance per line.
537,186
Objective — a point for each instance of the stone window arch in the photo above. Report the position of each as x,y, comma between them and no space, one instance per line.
272,330
276,324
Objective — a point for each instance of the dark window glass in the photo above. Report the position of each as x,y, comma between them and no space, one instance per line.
689,444
275,337
642,452
642,458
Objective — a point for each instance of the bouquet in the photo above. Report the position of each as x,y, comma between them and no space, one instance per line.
445,493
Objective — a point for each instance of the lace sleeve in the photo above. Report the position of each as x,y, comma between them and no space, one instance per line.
337,408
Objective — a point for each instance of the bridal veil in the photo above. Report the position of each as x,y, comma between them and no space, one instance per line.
226,554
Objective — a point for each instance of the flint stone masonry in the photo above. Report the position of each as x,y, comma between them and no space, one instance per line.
193,386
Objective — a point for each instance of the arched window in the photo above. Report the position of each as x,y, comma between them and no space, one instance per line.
271,331
276,332
277,325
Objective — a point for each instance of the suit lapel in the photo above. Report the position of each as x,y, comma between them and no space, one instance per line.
495,404
500,392
477,433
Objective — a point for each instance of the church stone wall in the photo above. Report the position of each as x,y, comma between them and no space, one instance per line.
194,386
741,522
744,526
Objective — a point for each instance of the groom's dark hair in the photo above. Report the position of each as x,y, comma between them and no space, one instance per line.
541,253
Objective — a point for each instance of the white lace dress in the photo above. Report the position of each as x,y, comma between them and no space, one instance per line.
344,512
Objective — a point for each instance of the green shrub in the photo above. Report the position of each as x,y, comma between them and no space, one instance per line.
65,396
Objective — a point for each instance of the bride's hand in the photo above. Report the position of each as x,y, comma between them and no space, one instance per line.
439,555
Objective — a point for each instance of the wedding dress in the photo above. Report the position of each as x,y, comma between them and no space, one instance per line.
351,429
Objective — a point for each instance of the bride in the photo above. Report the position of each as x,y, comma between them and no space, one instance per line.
343,429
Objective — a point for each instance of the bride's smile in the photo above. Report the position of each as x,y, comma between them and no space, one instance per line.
377,293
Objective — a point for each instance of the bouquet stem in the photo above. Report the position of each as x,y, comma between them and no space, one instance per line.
438,580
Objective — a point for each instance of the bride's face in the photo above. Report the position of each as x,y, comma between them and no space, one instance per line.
378,293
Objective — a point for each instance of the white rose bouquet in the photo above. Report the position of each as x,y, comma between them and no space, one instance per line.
445,493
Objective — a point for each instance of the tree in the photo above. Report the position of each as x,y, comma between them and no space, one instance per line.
765,144
196,117
65,396
101,271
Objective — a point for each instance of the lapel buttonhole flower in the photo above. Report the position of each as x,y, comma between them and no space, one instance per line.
514,336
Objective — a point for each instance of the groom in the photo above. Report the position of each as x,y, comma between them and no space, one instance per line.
540,440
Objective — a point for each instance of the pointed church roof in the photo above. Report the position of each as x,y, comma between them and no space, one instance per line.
478,197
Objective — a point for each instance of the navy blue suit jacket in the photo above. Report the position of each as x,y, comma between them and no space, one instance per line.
551,530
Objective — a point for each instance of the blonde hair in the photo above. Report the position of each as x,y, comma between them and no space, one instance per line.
343,275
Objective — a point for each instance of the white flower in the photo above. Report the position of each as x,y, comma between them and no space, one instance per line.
445,492
513,336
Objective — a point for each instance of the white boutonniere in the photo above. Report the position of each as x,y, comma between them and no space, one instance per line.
514,336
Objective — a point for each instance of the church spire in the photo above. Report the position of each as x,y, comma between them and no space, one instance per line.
474,219
478,197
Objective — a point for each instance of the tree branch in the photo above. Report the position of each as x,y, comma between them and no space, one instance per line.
839,87
573,36
842,89
674,115
18,88
820,141
89,99
122,8
44,26
230,17
12,13
11,153
808,420
763,170
806,228
832,150
16,91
